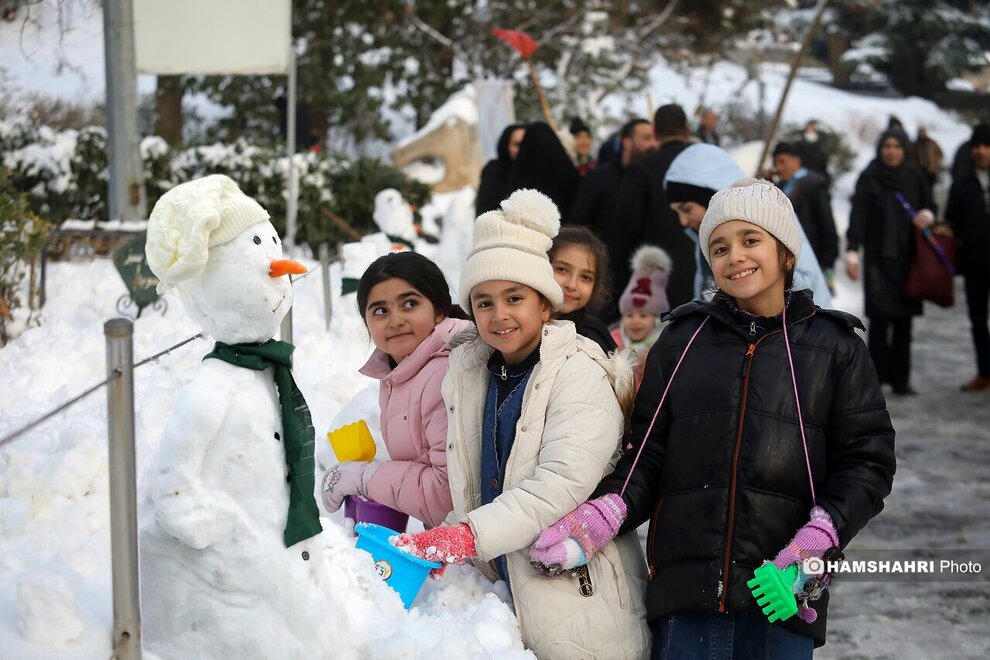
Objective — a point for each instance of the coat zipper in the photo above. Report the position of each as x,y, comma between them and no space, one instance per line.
747,368
651,540
527,398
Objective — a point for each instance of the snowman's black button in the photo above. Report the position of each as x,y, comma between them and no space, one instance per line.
305,555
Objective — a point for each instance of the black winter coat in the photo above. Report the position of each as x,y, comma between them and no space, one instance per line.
879,224
643,216
723,478
494,187
813,206
592,328
597,197
967,213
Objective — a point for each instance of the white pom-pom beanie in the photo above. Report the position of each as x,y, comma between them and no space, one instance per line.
191,218
511,244
757,202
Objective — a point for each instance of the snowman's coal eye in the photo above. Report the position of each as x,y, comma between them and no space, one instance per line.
274,240
257,240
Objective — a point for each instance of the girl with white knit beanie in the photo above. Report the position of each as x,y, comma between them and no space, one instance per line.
535,422
756,407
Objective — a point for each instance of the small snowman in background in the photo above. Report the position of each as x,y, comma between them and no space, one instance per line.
395,218
230,541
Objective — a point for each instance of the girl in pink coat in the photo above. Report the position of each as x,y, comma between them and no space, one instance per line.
405,302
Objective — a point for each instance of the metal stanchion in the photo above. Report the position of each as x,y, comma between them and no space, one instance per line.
123,490
327,294
285,332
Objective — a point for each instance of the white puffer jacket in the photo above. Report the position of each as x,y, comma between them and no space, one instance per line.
567,438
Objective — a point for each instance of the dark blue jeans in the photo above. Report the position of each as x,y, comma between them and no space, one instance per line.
713,636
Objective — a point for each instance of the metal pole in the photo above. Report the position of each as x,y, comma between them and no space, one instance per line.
126,199
123,490
290,124
327,293
285,332
772,132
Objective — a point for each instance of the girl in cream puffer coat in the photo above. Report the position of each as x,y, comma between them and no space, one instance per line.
567,438
534,421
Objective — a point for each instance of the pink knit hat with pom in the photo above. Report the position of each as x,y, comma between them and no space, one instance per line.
647,288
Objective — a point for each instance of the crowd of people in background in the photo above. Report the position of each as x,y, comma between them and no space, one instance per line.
632,195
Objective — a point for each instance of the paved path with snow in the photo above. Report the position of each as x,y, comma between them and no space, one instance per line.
940,500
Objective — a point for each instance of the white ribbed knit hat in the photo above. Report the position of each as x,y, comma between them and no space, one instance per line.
191,218
511,244
757,202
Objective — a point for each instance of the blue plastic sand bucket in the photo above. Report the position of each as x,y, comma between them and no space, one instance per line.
404,572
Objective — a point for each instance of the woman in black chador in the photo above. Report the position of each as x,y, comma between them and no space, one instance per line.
891,198
543,164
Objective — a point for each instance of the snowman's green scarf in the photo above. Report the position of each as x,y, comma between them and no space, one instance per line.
297,429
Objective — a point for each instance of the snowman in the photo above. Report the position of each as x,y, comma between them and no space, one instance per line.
395,219
231,548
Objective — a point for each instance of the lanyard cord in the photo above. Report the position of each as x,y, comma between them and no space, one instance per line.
663,398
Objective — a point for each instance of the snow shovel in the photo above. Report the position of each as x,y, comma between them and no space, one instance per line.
353,442
774,591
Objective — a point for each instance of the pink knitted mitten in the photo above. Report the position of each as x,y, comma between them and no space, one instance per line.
811,541
574,539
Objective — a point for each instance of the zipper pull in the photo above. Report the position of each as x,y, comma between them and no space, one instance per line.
584,579
504,375
752,328
749,356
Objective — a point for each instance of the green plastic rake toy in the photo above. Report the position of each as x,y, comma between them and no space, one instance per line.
774,591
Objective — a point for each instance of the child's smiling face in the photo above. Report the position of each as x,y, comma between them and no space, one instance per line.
509,316
638,325
747,266
575,270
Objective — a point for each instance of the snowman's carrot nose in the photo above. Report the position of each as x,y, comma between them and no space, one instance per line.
281,267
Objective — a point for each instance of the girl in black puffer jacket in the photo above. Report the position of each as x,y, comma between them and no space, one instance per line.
756,408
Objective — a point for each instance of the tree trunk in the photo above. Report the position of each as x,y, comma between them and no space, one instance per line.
836,45
168,109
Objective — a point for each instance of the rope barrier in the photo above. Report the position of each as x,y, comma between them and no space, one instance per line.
19,432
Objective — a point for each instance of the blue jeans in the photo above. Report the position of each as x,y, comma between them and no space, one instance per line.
713,636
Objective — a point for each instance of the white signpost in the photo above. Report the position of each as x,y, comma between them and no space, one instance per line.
222,37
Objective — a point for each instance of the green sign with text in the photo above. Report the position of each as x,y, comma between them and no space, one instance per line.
133,268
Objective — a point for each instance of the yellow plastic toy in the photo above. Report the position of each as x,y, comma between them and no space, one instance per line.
353,442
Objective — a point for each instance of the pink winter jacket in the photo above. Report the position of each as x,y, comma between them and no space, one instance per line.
414,427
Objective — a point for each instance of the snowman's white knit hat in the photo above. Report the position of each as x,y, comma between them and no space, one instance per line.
511,243
757,202
191,218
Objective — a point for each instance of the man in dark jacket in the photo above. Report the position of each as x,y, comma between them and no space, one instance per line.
494,185
643,215
968,211
720,476
808,192
598,193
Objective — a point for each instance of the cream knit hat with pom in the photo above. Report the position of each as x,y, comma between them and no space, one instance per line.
191,218
511,244
757,202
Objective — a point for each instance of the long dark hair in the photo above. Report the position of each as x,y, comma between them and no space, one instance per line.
601,293
424,275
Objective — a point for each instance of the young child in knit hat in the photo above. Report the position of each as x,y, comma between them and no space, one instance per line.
759,434
642,303
534,421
